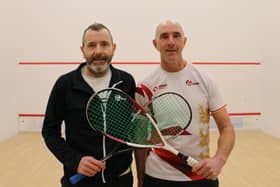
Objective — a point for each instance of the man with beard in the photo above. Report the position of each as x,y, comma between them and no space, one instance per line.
81,149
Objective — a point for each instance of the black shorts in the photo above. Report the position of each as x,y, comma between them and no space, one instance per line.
152,182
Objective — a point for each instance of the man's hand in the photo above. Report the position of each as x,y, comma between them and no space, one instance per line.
209,168
89,166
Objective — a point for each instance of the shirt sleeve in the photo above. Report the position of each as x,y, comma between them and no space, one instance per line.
216,102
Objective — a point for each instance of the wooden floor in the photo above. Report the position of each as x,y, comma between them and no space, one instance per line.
255,161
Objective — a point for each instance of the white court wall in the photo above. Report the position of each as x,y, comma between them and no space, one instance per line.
9,56
50,31
271,77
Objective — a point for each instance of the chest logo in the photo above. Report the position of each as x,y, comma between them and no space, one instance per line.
191,83
160,87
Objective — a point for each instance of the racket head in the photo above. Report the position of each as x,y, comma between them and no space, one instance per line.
172,113
116,115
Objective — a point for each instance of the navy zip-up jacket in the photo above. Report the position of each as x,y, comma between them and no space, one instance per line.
67,103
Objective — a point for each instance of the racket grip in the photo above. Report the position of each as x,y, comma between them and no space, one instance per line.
76,178
190,161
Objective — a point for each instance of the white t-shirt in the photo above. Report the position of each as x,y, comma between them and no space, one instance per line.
199,89
98,83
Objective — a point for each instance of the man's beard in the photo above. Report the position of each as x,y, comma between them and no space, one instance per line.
98,68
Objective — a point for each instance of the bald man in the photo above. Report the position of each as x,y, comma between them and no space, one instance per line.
161,168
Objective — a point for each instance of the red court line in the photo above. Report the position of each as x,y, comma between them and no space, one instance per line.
227,63
48,63
144,63
31,115
231,114
70,63
245,114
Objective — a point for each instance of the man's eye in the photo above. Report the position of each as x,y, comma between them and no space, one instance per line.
164,36
104,44
92,45
177,35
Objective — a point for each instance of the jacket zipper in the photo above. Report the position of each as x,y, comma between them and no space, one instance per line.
104,154
104,142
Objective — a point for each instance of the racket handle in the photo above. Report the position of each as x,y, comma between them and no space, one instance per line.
190,161
76,178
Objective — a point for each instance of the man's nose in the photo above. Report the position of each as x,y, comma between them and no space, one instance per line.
171,40
98,50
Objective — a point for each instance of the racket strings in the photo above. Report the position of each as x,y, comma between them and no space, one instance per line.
116,115
171,112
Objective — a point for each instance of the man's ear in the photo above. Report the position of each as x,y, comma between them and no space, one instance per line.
185,40
82,50
155,43
114,47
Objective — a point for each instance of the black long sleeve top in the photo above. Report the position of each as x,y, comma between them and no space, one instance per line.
67,104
